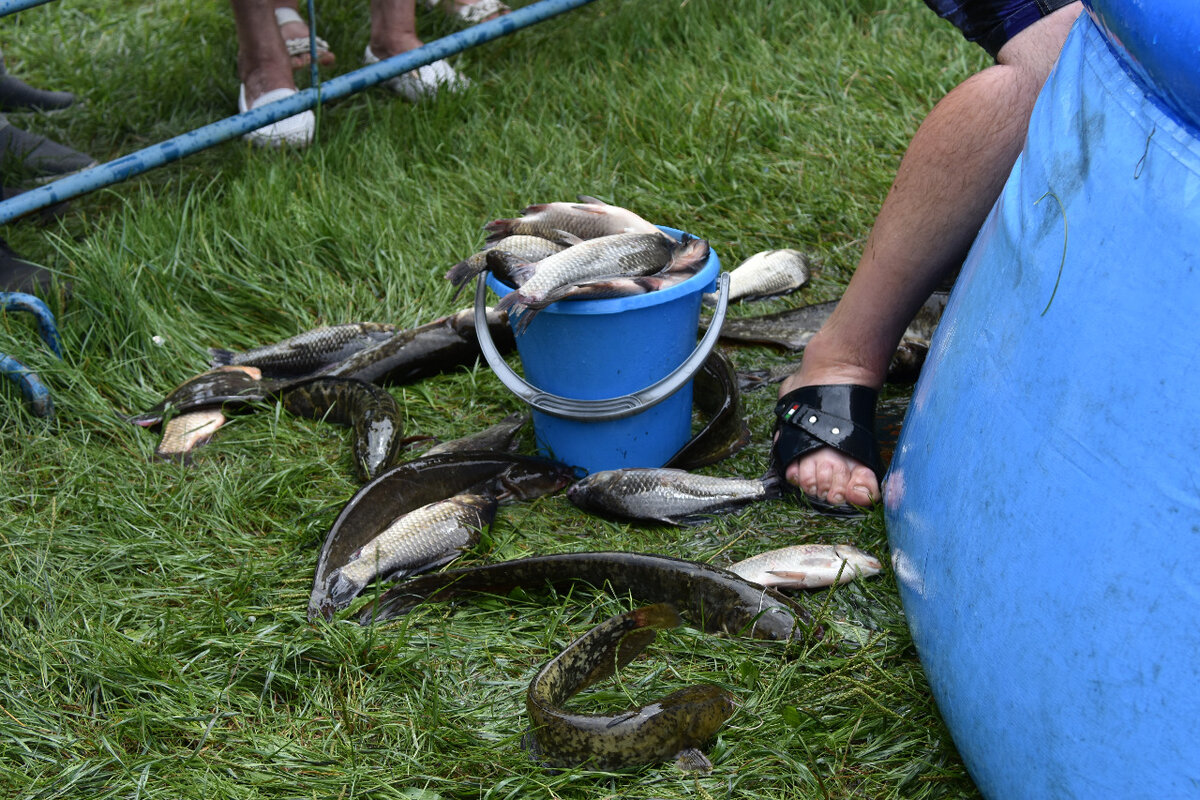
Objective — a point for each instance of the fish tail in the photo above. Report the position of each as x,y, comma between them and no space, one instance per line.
772,483
525,317
499,228
219,357
463,271
509,303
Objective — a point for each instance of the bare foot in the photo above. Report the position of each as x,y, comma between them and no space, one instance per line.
827,474
294,29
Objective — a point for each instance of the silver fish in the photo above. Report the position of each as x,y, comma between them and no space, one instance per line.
673,496
587,219
308,351
184,433
807,566
523,247
770,273
618,255
425,538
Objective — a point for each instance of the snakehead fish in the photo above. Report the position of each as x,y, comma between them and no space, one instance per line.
495,437
716,394
217,388
808,566
309,351
672,727
423,539
673,496
588,219
423,480
713,599
372,413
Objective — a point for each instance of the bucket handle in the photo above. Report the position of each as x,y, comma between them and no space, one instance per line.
610,407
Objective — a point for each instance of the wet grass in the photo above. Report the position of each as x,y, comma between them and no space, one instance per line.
153,641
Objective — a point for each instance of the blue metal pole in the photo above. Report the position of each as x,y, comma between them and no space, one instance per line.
214,133
11,6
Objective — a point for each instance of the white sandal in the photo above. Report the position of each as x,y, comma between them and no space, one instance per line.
294,131
423,82
299,46
470,13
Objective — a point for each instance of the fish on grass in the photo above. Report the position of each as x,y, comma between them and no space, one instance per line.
421,540
182,434
669,728
708,597
588,219
672,496
622,255
808,566
771,273
308,351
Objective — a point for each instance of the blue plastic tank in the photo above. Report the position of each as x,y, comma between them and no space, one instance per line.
1043,503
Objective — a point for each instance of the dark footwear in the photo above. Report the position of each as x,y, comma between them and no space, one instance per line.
17,95
18,275
841,416
26,156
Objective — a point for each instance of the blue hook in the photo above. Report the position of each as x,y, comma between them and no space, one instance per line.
32,387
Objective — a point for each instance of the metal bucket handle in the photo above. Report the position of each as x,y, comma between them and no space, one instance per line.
610,407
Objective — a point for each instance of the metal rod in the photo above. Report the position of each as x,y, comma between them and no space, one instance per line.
214,133
11,6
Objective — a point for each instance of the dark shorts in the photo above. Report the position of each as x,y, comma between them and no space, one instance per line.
991,23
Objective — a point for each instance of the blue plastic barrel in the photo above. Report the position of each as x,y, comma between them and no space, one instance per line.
1043,504
600,349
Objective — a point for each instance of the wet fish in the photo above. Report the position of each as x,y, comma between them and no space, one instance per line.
370,410
184,433
423,539
588,219
496,437
423,480
673,496
716,394
521,248
308,351
229,386
770,273
443,344
620,255
615,286
808,566
711,598
672,727
792,328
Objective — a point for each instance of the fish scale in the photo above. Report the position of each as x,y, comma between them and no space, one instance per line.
664,494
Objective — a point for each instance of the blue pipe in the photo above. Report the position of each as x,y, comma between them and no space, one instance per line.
214,133
11,6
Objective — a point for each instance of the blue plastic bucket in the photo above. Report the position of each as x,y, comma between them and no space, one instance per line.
1043,506
609,381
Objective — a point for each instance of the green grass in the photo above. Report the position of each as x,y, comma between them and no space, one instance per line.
153,640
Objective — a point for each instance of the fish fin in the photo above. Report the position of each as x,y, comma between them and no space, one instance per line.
523,317
342,591
219,357
565,238
511,303
772,483
587,199
690,759
514,268
499,228
464,271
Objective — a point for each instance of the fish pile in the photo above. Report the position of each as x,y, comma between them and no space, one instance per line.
669,728
588,251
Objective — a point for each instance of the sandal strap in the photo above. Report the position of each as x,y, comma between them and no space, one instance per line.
841,416
300,46
285,15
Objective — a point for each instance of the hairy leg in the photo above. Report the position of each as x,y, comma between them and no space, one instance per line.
393,27
947,182
263,63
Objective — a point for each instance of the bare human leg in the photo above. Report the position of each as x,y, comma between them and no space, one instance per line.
947,182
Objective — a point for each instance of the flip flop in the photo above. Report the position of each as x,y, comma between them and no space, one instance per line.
300,46
293,131
424,82
841,416
470,13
